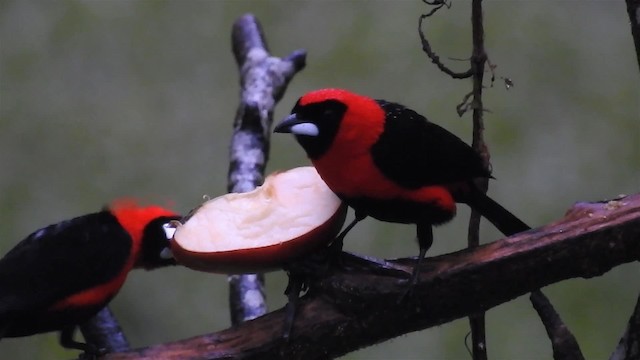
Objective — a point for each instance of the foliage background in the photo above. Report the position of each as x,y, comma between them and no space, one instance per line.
103,99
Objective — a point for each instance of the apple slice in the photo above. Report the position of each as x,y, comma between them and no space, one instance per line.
292,214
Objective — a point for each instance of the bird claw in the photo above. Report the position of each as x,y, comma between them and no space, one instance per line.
407,294
351,261
297,284
92,352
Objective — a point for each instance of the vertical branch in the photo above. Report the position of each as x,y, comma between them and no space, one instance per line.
104,332
564,344
633,9
478,59
263,80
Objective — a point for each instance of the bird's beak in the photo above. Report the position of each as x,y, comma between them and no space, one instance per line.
169,230
293,124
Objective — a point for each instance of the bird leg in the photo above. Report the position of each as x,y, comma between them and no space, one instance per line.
300,271
303,271
3,329
295,286
66,340
336,245
425,240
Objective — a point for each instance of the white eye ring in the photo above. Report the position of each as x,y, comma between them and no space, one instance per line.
307,129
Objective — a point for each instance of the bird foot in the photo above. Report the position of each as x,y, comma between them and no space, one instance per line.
91,352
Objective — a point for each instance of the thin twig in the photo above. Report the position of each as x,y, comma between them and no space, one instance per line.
478,60
464,106
263,80
426,46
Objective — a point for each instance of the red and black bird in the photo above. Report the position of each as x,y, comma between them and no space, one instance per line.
389,162
63,274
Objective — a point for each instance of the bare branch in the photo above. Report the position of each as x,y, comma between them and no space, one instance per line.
629,346
464,106
426,47
247,299
633,9
263,80
478,59
564,344
104,332
354,307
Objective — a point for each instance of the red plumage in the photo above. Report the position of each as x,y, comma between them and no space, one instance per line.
389,162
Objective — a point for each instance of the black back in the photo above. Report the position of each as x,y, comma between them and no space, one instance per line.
414,152
60,260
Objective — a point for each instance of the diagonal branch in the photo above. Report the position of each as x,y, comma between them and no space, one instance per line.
633,9
349,309
263,80
563,343
629,346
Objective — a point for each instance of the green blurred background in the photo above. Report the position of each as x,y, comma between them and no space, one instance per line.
103,99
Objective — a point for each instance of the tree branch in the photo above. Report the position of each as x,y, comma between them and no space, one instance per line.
104,332
426,46
478,59
263,80
350,308
629,346
633,9
563,342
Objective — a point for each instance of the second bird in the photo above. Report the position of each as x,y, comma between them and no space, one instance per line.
63,274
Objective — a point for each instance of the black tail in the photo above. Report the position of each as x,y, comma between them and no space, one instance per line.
501,218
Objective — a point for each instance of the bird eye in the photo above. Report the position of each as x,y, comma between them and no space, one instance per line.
328,112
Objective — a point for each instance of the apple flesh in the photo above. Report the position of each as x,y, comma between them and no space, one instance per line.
292,214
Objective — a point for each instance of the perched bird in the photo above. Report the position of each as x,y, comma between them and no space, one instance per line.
63,274
389,162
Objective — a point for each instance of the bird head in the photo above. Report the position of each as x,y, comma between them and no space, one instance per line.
156,251
145,226
323,117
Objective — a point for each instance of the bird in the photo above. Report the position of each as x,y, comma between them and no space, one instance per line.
62,274
388,162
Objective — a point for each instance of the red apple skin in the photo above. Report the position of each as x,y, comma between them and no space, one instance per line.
262,259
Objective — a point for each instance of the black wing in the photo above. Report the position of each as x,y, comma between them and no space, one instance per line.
414,152
60,260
